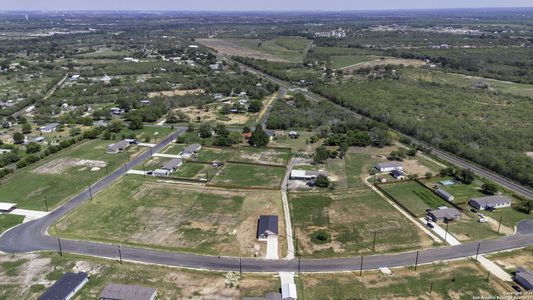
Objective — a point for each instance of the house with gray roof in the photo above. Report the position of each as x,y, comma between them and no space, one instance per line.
490,202
66,287
49,127
444,214
190,150
267,226
127,292
172,165
525,278
389,166
444,195
117,147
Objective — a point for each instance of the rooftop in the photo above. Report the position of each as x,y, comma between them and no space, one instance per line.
64,286
268,223
7,206
119,145
192,148
49,126
491,200
390,164
525,274
172,164
448,213
130,292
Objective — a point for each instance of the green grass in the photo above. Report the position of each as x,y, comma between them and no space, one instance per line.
291,49
341,61
461,192
8,221
12,268
356,165
350,218
510,216
249,176
462,280
414,196
141,211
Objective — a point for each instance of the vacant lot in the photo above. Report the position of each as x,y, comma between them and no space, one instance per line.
341,61
245,154
244,175
283,49
144,211
26,276
349,218
414,197
511,260
61,175
455,280
383,61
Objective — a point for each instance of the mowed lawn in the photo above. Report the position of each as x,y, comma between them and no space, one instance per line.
29,186
350,217
461,192
244,175
414,197
341,61
7,221
357,165
144,211
454,280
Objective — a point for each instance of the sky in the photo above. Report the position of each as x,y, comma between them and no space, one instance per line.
253,5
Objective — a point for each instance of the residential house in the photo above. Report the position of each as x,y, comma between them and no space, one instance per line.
49,128
190,151
389,166
106,79
172,165
444,214
306,174
218,97
444,195
267,226
490,202
293,134
214,67
288,291
127,292
38,139
117,111
161,173
524,277
145,102
398,174
66,287
74,77
4,151
117,147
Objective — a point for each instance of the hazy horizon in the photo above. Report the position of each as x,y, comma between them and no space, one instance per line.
242,5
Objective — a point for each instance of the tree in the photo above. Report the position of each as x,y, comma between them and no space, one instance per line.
322,181
255,106
428,175
74,131
136,122
321,155
246,129
259,138
171,118
489,188
467,176
33,147
18,137
205,131
116,126
26,128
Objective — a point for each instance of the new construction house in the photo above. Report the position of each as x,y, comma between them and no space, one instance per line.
117,147
490,202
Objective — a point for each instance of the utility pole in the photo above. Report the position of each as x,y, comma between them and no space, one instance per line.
500,223
374,242
151,153
430,287
119,254
299,264
361,268
240,266
60,249
90,193
416,261
128,154
144,170
45,203
477,251
488,276
106,169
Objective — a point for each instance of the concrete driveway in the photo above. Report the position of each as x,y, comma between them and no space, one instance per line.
272,247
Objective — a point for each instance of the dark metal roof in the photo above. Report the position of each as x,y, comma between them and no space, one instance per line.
267,223
64,286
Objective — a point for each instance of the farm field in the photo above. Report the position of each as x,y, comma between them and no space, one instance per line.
342,61
26,276
453,280
348,220
282,49
153,213
245,175
414,197
62,175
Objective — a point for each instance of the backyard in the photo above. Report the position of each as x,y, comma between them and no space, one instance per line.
248,175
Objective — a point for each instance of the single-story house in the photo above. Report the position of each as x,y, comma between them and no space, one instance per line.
127,292
74,77
4,151
398,174
66,287
444,214
218,96
145,101
306,174
389,166
266,226
117,111
117,147
293,134
190,150
444,195
490,202
106,79
525,278
214,67
447,182
49,127
172,165
38,139
288,291
161,172
7,207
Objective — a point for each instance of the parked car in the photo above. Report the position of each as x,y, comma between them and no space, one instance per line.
517,288
482,220
430,225
481,215
150,173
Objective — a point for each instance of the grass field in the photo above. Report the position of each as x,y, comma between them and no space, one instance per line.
244,175
414,196
144,211
341,61
511,260
461,192
350,218
58,177
357,165
455,280
8,221
29,275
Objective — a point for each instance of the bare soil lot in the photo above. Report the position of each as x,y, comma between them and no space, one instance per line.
386,61
176,92
228,48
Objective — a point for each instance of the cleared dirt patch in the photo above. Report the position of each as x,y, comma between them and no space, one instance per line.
229,48
386,61
176,92
57,166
